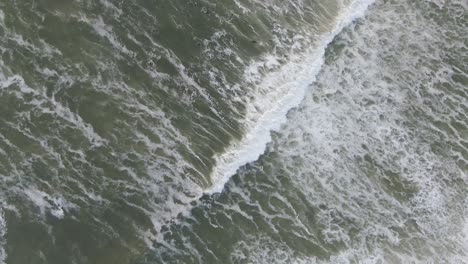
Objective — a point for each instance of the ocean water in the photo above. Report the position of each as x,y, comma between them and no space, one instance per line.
233,131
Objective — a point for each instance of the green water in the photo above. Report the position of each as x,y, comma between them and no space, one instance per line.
115,116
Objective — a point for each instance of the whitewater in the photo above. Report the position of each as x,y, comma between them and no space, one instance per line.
238,131
284,89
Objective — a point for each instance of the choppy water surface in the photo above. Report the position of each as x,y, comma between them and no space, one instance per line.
141,131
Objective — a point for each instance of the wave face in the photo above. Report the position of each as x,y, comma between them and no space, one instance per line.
137,131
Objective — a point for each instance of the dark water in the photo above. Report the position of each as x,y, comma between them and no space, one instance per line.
125,128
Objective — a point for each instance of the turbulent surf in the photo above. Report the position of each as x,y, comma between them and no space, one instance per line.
233,131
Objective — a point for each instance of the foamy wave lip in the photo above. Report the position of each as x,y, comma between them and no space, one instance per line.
291,82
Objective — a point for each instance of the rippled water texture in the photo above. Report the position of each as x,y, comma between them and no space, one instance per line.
244,131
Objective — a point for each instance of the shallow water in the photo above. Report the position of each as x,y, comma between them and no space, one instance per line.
142,132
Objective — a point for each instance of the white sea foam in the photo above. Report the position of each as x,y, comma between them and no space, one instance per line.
55,205
465,227
349,139
78,122
354,120
55,108
244,9
111,7
285,89
105,31
262,250
3,231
